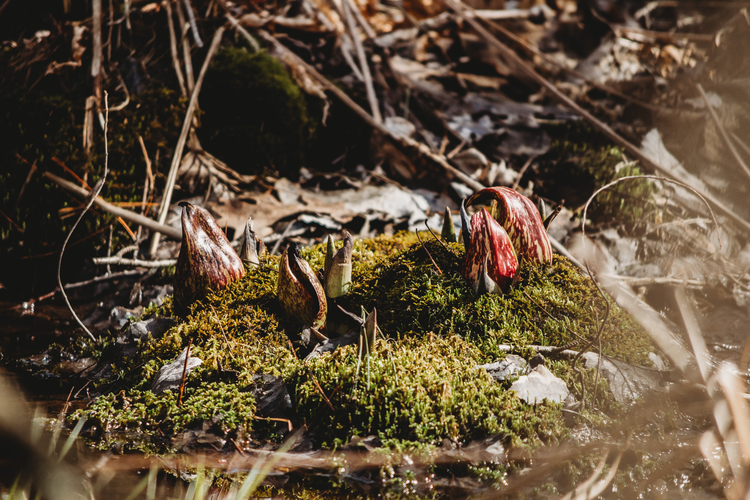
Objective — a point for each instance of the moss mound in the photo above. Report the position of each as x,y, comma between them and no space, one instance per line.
256,117
580,160
423,385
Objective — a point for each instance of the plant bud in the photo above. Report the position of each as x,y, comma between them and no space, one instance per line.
521,220
449,230
338,270
300,293
490,255
252,246
207,261
465,226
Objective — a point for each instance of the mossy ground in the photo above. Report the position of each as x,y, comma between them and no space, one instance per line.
422,386
581,160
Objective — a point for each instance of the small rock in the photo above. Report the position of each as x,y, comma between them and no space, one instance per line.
170,375
627,382
271,396
509,367
141,329
540,384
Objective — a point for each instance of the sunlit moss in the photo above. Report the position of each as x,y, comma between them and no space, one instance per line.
422,386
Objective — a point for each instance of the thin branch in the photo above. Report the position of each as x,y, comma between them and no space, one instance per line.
364,66
173,48
177,156
175,234
193,26
428,253
92,197
121,261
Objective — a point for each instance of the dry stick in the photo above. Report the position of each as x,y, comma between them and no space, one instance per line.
193,26
428,253
96,58
126,6
361,19
90,201
184,371
533,50
111,26
121,261
364,66
523,171
173,48
32,169
5,4
175,234
172,177
632,149
723,131
147,183
186,56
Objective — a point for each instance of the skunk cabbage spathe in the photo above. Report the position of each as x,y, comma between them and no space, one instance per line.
300,293
521,221
207,261
491,261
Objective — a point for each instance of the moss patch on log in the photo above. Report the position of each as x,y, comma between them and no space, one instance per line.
422,386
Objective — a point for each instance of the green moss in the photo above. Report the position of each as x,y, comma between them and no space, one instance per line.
421,387
255,115
422,390
140,420
579,161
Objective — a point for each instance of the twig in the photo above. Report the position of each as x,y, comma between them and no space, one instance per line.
98,279
723,131
218,322
186,56
428,253
461,9
364,66
148,182
361,19
193,26
657,280
120,261
169,231
283,235
320,389
435,236
523,171
177,156
90,201
173,48
184,371
5,4
25,183
96,58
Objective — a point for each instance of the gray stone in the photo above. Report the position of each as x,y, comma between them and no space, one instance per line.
540,384
627,382
170,375
509,367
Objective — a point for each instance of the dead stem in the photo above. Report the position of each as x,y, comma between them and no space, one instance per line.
90,201
428,253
